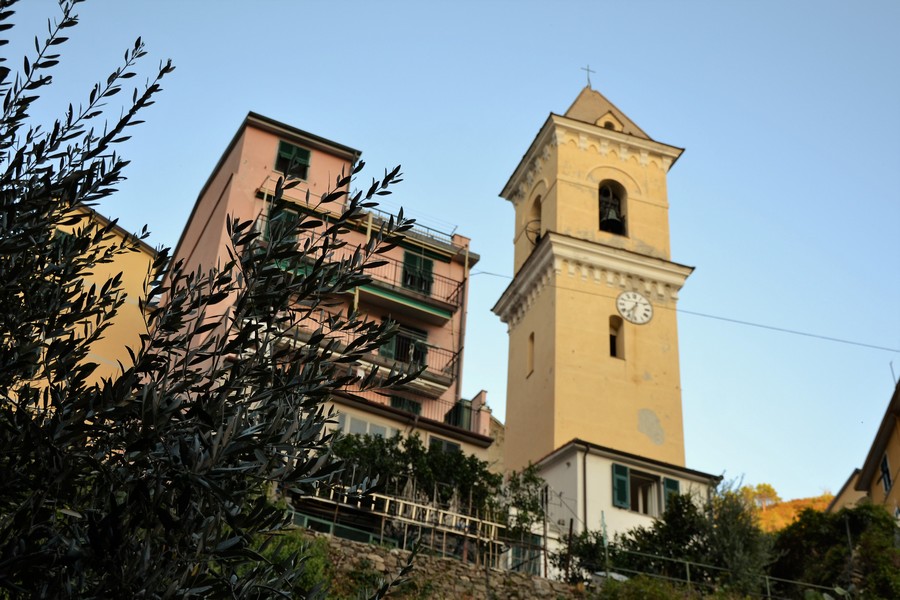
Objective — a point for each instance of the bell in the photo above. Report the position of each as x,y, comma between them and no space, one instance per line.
611,221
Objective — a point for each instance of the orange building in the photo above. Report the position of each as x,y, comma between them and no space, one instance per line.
423,287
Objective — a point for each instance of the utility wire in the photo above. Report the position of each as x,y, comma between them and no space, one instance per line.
738,321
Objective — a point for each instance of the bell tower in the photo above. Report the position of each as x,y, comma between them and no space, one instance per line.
593,341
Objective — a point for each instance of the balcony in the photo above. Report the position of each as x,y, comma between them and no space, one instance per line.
404,288
418,285
468,415
440,364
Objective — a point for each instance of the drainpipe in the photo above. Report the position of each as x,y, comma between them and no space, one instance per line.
584,486
368,237
464,293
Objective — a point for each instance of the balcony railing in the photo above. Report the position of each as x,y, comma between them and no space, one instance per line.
439,362
418,230
459,414
401,276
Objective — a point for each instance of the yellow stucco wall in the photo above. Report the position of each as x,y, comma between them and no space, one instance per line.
128,323
891,498
577,390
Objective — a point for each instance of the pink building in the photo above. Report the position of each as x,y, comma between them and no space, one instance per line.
424,286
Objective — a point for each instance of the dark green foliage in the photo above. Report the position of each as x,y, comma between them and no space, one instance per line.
522,502
405,464
720,538
855,548
151,484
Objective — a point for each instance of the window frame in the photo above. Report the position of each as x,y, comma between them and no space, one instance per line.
418,273
618,198
415,341
654,490
288,156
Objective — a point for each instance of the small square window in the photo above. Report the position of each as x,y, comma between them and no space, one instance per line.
292,160
436,443
358,426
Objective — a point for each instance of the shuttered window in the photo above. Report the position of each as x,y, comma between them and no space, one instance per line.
417,273
621,488
292,160
670,487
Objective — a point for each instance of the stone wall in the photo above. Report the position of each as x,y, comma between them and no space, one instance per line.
433,577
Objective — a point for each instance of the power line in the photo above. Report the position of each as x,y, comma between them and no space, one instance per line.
736,321
785,330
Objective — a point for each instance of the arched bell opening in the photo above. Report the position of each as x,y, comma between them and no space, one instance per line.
612,208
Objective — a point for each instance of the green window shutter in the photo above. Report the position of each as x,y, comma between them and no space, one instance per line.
389,350
671,487
292,158
621,489
417,273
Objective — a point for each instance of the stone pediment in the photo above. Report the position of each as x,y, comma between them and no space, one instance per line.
592,107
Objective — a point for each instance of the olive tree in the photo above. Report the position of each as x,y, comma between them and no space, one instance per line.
151,483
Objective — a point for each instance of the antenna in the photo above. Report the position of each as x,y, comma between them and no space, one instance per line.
893,375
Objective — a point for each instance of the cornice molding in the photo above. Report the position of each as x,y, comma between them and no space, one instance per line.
558,130
563,256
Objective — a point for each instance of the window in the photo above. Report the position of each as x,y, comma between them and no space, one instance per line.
436,443
460,415
529,358
641,492
612,208
526,555
357,426
408,345
616,337
671,487
417,273
533,223
406,405
292,160
886,474
281,223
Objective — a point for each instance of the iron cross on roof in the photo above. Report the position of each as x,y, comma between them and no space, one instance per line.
589,71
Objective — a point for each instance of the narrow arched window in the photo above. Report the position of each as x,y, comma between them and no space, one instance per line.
533,224
612,208
529,357
616,337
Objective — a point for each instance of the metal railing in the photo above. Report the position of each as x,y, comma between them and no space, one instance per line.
418,230
437,361
700,575
399,275
457,414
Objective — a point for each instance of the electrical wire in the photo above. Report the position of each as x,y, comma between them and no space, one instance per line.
733,320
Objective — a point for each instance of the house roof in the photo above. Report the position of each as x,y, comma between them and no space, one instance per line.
121,231
872,463
848,495
575,444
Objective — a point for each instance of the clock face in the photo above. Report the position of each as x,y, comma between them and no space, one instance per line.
634,307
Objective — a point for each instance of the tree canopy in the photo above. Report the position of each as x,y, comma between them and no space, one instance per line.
151,483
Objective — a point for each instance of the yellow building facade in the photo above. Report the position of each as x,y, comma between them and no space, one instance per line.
878,477
593,341
110,352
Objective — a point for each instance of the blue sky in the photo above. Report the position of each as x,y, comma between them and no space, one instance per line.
787,199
